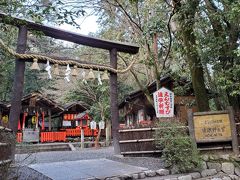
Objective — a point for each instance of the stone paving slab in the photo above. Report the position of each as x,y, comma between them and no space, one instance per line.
84,169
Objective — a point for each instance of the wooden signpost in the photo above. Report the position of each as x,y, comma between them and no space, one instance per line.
217,126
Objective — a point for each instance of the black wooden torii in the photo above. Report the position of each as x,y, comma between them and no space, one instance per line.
112,46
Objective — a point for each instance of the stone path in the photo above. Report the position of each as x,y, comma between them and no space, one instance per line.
102,163
84,169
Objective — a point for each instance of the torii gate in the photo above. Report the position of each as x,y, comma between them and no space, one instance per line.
112,46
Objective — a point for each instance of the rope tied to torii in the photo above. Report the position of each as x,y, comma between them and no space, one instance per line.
63,62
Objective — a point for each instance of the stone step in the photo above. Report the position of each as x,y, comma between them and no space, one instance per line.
41,148
4,167
5,150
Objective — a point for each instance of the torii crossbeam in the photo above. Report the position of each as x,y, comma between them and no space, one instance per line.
112,46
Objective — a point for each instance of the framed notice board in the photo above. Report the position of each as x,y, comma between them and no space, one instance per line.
213,126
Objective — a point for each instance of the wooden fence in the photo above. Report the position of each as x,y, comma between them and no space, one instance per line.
53,136
19,137
77,132
138,142
217,134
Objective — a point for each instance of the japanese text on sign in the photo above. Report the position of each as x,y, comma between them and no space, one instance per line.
212,127
164,103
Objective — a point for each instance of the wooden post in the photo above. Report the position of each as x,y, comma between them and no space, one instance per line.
114,102
82,138
191,125
49,120
1,118
108,132
17,90
233,131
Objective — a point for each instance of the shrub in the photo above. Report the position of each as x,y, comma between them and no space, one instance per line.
179,150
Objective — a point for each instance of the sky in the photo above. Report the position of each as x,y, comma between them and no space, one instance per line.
88,25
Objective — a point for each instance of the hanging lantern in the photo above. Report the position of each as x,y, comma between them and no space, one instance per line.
105,75
90,75
35,65
5,119
56,70
74,73
34,119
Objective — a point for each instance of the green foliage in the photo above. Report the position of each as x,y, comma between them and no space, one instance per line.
54,11
95,98
179,151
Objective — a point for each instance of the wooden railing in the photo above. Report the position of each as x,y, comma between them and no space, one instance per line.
73,132
53,136
88,132
19,137
77,132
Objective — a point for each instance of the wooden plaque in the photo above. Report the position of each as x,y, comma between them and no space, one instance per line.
212,128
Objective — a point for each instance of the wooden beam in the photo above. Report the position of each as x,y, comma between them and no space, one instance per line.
114,102
70,36
141,152
18,83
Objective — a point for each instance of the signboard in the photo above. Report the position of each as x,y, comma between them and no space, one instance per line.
101,124
164,103
141,115
69,117
66,123
212,128
93,125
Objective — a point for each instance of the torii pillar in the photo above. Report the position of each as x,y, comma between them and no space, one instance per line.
114,101
18,84
112,46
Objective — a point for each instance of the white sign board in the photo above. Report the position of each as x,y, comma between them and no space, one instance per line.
141,115
93,125
66,123
101,124
164,103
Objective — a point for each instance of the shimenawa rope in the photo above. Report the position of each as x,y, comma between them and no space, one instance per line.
63,62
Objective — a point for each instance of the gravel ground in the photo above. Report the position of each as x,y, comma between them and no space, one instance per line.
87,153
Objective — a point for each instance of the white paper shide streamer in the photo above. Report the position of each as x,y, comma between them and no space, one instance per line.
83,76
99,79
48,69
67,74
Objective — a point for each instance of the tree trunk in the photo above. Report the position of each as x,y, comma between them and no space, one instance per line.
186,19
97,139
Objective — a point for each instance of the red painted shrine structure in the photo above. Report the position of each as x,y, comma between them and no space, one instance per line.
43,120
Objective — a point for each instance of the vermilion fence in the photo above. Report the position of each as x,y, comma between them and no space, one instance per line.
19,137
60,136
73,132
77,132
53,136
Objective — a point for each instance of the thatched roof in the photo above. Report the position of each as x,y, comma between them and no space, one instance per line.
165,81
41,101
74,107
